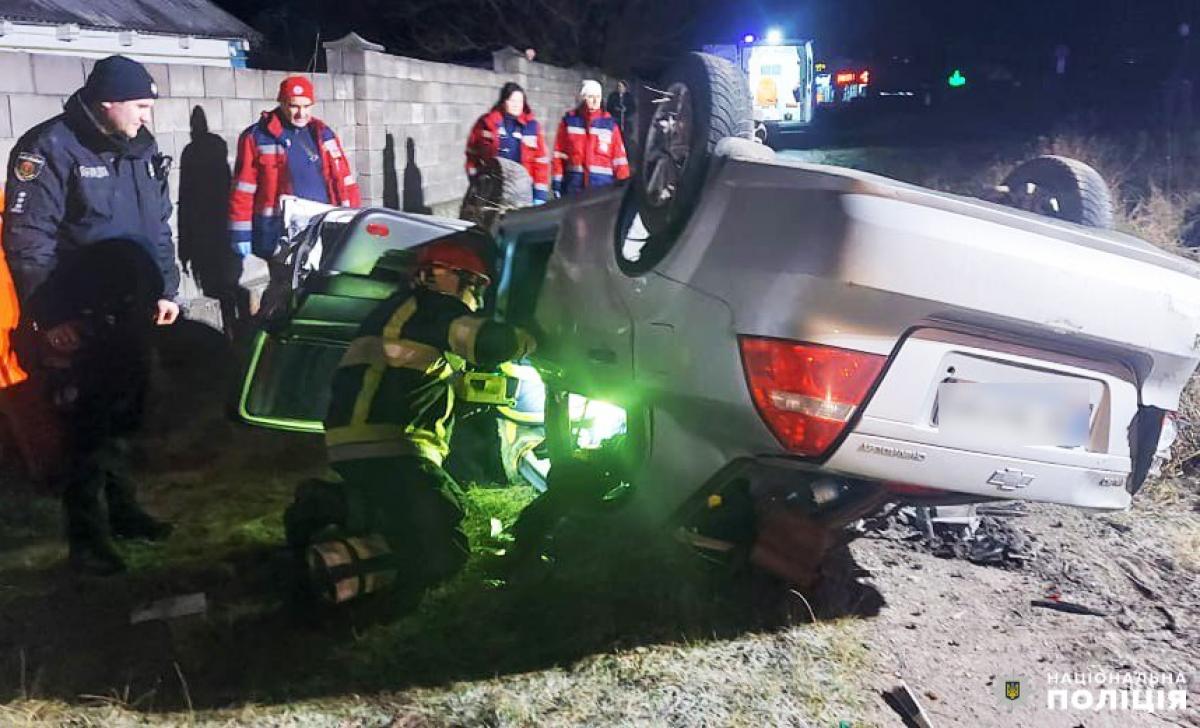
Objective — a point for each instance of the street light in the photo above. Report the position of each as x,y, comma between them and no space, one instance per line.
775,36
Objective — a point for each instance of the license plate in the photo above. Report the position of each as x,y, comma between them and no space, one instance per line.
1044,414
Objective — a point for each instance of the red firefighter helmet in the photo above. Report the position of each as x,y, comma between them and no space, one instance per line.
456,255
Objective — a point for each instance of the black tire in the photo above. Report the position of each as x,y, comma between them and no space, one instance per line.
500,185
706,97
516,187
1062,188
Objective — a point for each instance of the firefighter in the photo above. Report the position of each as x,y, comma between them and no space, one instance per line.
89,176
589,150
510,130
388,427
288,151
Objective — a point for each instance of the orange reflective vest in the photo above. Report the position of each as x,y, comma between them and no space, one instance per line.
10,314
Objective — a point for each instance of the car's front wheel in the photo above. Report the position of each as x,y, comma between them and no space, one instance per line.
1062,188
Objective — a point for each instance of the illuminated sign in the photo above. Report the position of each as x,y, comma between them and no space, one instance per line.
850,78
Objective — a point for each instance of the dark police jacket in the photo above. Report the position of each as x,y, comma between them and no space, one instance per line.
71,185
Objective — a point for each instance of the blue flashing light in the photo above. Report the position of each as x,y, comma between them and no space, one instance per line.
775,36
748,38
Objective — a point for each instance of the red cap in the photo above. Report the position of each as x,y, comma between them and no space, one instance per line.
294,86
455,256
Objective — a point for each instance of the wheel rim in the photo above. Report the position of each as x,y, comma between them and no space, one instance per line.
1036,198
668,144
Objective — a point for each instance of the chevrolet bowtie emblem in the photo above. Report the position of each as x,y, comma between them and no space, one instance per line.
1010,479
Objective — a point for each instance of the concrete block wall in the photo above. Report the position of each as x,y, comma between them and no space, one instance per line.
434,105
368,97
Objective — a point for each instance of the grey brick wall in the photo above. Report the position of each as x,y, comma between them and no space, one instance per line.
367,98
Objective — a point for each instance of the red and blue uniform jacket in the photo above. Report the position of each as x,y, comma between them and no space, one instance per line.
588,152
260,176
486,138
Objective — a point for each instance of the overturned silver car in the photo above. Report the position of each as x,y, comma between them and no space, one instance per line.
734,320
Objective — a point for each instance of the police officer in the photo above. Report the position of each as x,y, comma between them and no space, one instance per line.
88,241
388,427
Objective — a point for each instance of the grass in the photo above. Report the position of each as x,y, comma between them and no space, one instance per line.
636,633
548,649
797,676
1187,545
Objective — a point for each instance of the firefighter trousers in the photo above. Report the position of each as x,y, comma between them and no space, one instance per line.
412,502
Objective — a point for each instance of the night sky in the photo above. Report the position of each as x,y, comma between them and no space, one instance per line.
933,34
976,30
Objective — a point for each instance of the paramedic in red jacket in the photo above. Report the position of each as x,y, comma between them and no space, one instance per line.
287,151
510,130
588,151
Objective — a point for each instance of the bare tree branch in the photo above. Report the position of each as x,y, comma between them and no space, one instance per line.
617,35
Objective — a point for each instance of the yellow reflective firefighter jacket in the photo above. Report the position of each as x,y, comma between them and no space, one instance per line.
392,393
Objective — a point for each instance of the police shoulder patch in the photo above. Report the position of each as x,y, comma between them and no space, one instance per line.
28,166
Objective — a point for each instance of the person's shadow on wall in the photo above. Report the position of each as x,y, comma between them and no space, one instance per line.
391,186
414,186
204,248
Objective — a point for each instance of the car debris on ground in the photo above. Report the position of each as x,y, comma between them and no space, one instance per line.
902,699
960,532
169,608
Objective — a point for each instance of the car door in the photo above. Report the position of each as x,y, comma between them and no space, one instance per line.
561,282
338,271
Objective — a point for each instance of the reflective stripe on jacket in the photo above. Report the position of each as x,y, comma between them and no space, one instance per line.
392,391
260,176
484,144
588,152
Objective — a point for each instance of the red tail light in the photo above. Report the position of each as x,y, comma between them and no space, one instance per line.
806,393
379,230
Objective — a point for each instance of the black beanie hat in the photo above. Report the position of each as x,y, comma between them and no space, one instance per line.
118,78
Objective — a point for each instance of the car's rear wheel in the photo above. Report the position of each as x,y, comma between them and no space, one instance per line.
501,184
702,100
1062,188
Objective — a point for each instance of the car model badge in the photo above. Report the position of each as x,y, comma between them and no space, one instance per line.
1010,479
893,452
29,166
